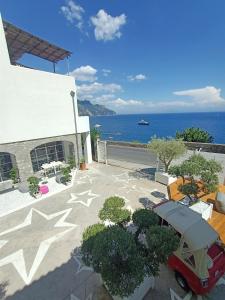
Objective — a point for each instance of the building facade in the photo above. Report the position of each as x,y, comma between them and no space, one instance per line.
39,119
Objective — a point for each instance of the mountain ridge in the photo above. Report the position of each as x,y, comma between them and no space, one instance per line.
86,108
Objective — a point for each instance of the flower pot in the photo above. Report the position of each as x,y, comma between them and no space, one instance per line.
83,166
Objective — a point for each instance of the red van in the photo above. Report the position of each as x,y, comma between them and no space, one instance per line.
199,262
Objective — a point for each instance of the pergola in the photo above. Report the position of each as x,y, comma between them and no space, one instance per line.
20,42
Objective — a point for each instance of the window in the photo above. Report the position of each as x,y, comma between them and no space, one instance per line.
5,166
187,255
190,260
46,153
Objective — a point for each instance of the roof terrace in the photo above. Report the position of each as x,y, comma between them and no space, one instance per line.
21,42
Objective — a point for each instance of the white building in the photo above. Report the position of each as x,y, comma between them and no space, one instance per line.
39,119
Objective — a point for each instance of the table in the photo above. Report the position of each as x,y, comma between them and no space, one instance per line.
52,165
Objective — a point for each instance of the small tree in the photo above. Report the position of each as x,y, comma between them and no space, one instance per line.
95,134
66,176
189,189
14,175
162,242
144,219
123,261
71,162
194,134
113,210
197,168
115,255
33,185
89,236
167,149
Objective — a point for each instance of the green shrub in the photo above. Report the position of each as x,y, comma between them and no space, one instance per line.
33,185
14,175
162,242
113,210
194,134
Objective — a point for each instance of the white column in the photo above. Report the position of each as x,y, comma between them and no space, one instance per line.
87,148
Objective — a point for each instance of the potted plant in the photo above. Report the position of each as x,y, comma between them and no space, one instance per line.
166,150
34,186
14,176
66,176
134,263
71,162
82,164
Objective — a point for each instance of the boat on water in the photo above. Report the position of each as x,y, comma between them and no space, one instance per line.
97,125
143,122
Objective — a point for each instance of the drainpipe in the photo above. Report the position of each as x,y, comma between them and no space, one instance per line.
72,94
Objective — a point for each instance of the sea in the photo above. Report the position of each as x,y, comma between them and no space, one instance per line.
126,128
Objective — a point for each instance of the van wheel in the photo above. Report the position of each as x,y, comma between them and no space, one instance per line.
182,281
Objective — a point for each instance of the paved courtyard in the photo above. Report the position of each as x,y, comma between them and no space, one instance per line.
39,244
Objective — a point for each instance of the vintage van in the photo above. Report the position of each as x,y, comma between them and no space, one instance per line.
199,262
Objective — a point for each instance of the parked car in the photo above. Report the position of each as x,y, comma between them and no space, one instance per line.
199,262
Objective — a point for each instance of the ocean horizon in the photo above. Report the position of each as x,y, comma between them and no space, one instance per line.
125,127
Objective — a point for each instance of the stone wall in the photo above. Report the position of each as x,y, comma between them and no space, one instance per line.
22,150
205,147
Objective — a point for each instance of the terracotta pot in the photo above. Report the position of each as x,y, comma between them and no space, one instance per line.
83,166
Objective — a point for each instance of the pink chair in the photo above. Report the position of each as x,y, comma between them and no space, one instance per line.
44,189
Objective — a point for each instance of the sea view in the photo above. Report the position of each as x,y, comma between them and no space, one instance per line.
126,128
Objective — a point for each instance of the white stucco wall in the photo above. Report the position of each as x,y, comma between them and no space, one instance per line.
34,104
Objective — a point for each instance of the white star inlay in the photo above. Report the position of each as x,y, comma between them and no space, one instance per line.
87,196
17,257
123,177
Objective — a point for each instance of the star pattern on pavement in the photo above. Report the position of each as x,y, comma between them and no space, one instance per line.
85,179
77,256
34,237
134,188
85,198
123,177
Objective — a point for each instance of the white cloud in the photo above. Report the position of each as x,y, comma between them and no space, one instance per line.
106,72
104,98
73,13
137,77
107,27
84,73
121,102
96,89
208,95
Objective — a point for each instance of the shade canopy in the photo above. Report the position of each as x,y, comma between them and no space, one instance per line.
20,42
196,231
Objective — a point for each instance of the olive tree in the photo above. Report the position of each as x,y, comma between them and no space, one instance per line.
167,149
194,134
123,261
194,169
114,254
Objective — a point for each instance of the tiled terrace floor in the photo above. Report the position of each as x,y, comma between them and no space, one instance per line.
37,259
39,244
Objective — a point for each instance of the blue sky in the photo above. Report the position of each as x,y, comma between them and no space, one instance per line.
134,56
